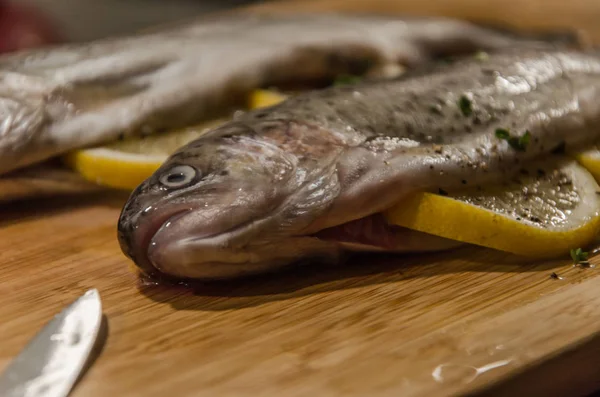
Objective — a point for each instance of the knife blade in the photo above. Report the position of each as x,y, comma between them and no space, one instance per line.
52,361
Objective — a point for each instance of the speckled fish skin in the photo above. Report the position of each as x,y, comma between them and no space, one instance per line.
263,184
67,97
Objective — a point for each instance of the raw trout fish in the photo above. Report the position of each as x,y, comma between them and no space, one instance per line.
66,97
277,185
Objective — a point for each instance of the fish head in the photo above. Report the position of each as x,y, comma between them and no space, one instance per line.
226,204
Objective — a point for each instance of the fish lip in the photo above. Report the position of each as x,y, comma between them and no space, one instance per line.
216,239
152,268
142,259
213,266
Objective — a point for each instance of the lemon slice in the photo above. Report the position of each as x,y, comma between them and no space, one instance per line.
265,98
546,213
126,164
590,159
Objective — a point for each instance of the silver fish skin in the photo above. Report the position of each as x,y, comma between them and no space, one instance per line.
256,193
57,99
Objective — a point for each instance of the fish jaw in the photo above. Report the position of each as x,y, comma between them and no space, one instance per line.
219,257
150,231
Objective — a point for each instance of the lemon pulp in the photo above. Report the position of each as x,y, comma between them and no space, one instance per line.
544,214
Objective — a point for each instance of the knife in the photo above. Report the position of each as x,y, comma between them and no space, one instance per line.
52,361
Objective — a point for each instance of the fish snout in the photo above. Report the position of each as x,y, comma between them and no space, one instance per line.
203,241
164,237
137,226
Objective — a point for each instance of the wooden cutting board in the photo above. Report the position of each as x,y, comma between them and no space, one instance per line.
434,325
468,321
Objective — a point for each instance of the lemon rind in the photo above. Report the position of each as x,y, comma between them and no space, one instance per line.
446,217
590,160
105,167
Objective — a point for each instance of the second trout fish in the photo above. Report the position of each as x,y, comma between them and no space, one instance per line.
61,98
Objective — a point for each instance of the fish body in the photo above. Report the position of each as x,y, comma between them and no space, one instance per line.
57,99
277,185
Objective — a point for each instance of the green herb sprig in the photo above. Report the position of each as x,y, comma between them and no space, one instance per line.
465,105
579,257
482,56
346,79
516,142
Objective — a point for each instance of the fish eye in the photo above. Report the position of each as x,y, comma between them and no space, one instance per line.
178,176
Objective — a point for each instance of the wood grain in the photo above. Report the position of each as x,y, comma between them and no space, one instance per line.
468,321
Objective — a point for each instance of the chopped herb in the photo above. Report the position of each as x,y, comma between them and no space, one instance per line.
579,257
555,276
501,133
516,142
481,56
442,192
465,106
346,79
448,60
524,140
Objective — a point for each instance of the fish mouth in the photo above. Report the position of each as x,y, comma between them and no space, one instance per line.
221,254
146,233
234,253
